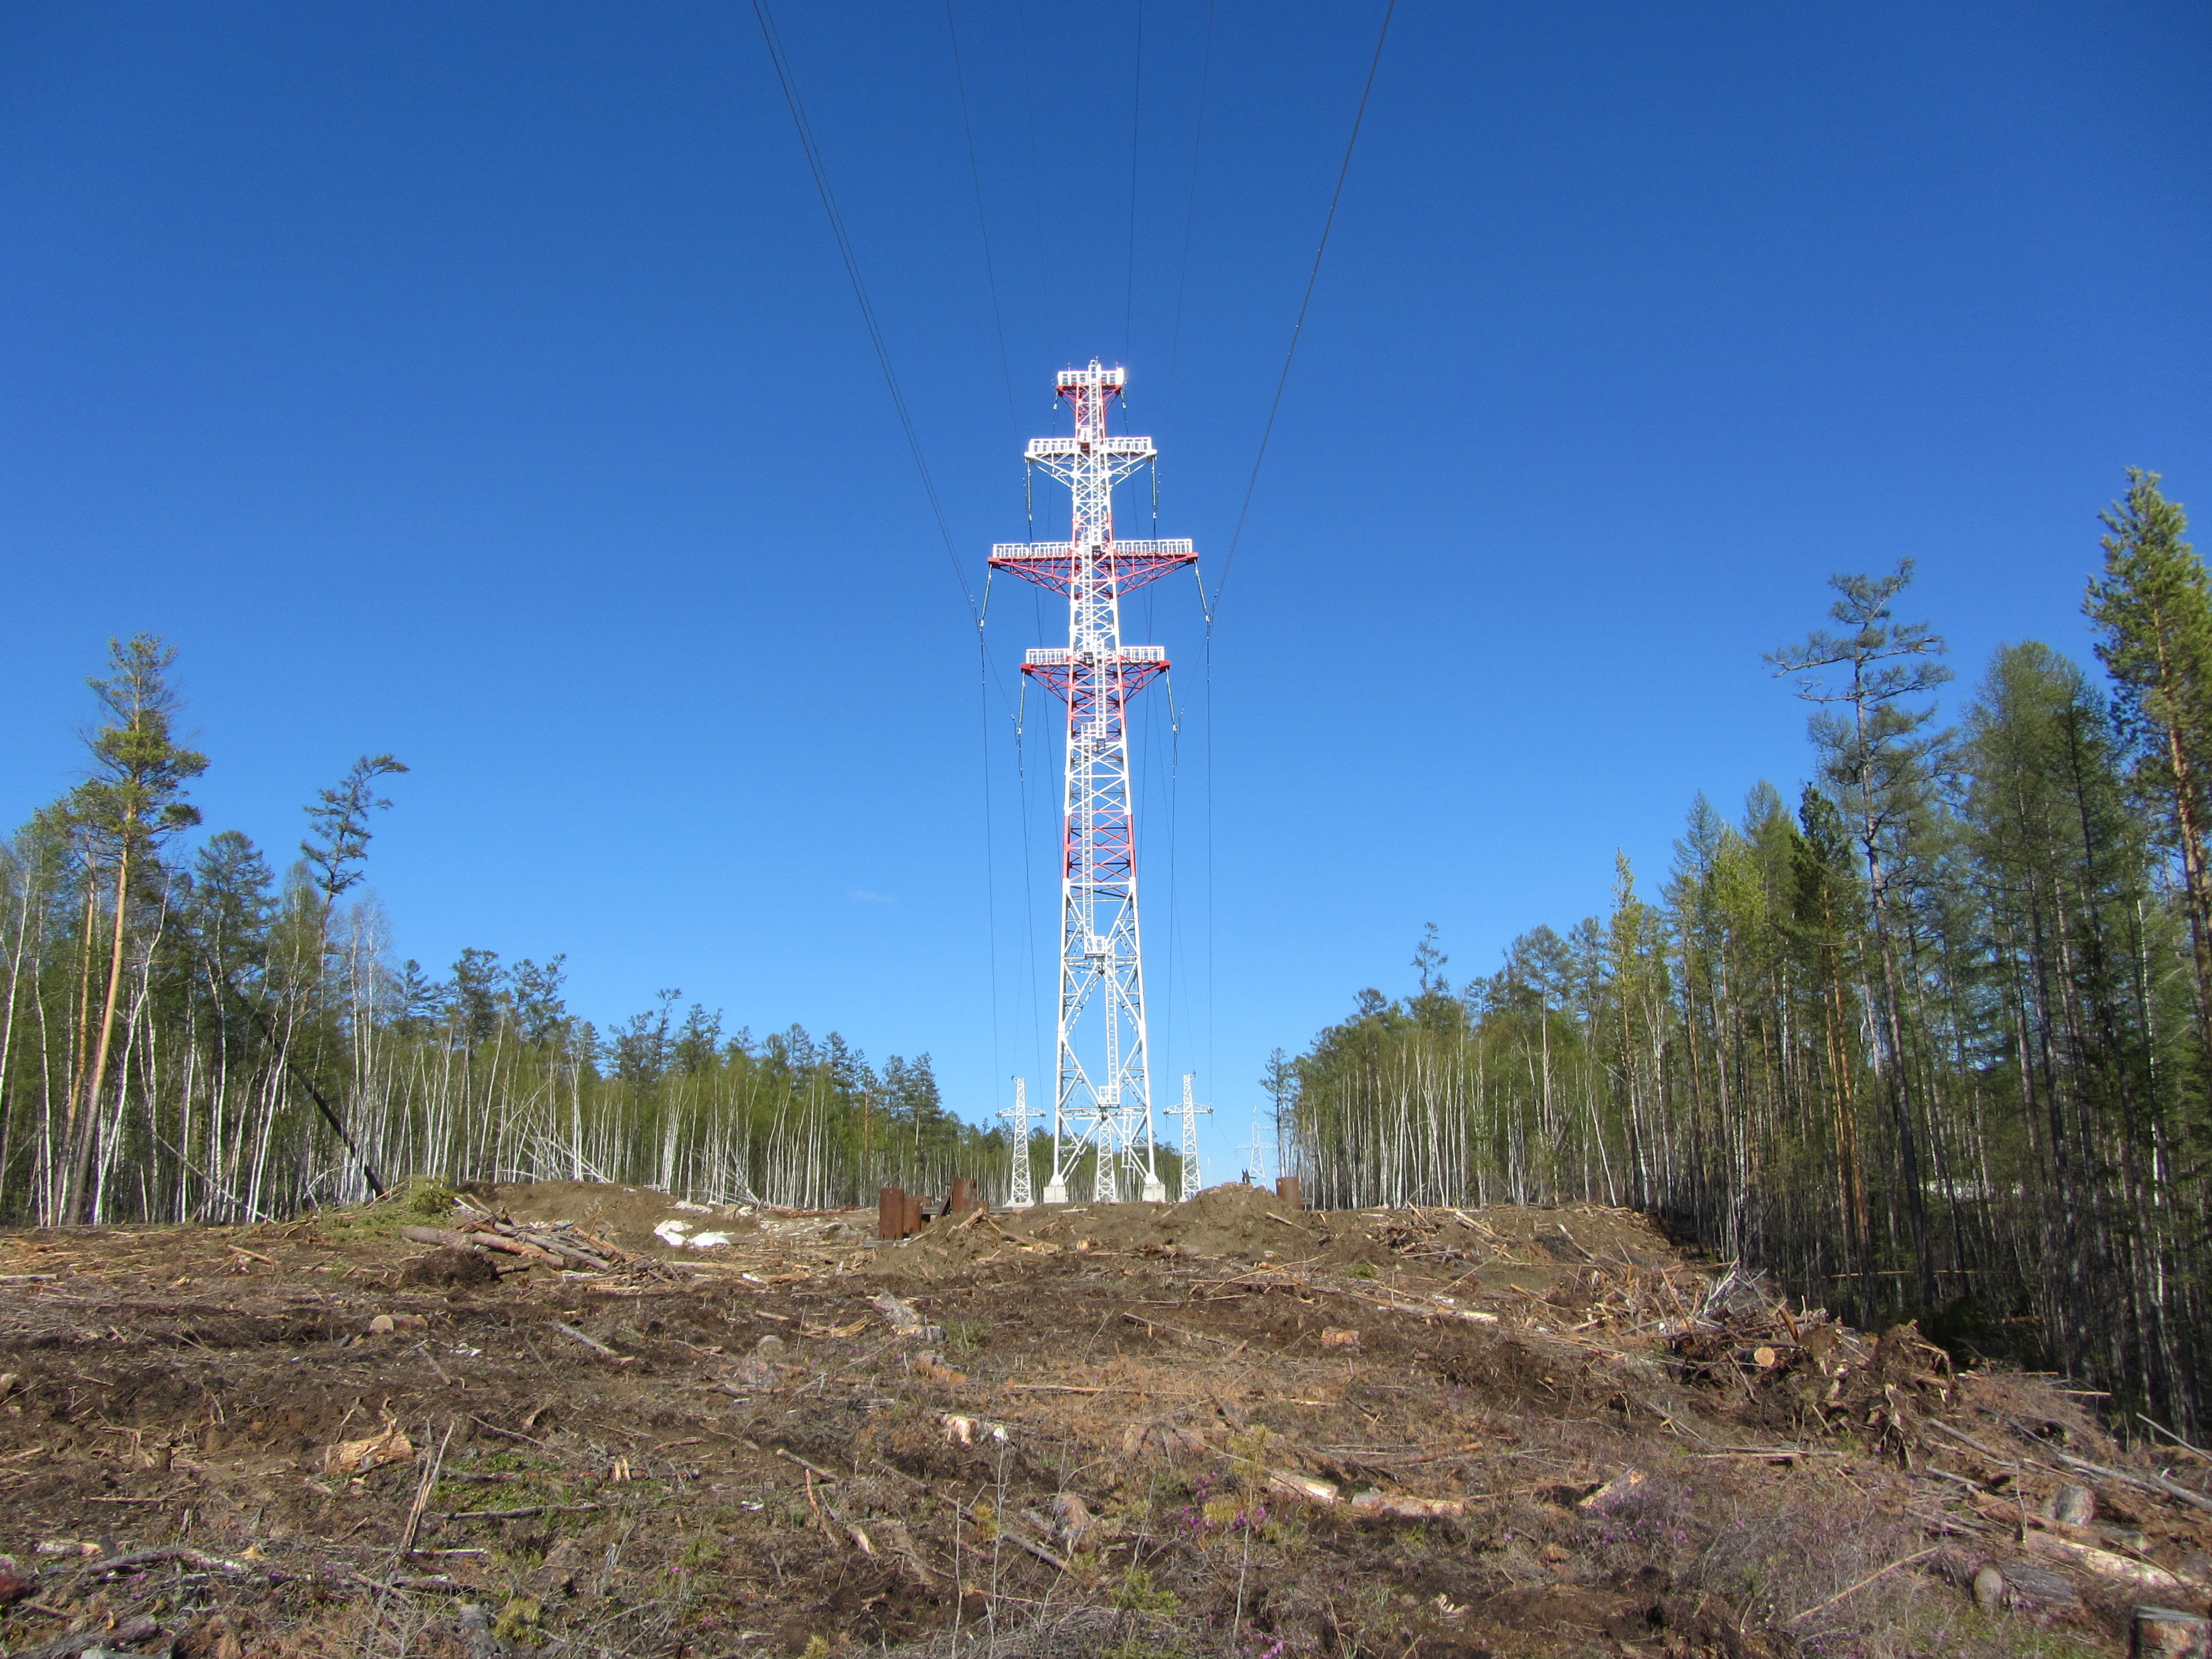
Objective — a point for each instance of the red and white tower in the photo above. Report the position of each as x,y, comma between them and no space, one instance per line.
1104,1100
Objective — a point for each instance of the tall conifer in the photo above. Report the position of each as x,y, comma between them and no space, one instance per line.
1875,749
132,802
2153,609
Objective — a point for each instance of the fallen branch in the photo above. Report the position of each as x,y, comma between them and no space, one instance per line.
448,1239
1879,1573
2160,1428
1426,1309
2157,1483
547,1241
68,1647
422,1492
164,1553
1177,1330
1022,1542
1965,1439
593,1343
512,1515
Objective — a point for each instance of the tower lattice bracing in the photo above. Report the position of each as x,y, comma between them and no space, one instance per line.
1103,1100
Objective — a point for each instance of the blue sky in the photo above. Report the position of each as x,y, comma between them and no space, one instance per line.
482,384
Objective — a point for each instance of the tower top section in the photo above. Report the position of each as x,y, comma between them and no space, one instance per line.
1091,389
1095,380
1090,462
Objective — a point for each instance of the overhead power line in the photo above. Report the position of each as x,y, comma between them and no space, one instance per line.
790,85
982,223
1136,120
1343,172
1190,216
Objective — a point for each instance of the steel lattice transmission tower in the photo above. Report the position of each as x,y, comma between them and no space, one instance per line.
1019,1114
1104,1097
1191,1111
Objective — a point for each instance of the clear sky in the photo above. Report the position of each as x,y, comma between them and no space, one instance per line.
481,383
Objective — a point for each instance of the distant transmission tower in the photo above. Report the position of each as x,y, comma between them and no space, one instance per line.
1192,1111
1019,1114
1103,1100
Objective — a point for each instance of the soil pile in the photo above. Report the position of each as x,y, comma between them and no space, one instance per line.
635,1217
1502,1250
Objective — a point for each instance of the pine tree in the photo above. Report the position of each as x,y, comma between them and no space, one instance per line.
1875,751
133,801
340,817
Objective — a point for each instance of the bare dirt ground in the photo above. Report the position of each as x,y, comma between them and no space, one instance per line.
1124,1430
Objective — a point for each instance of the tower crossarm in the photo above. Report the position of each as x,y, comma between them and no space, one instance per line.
1093,462
1097,681
1125,566
1120,447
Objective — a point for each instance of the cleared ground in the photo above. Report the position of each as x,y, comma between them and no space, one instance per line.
1212,1428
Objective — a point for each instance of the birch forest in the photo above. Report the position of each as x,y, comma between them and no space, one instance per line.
193,1033
1933,1039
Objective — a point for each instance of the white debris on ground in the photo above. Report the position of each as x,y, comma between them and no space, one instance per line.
677,1235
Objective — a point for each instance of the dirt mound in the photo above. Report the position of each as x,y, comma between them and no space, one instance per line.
635,1217
1503,1250
1234,1221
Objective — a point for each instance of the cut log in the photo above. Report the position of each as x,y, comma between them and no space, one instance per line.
486,1241
1627,1481
2169,1633
1314,1491
2105,1564
1406,1509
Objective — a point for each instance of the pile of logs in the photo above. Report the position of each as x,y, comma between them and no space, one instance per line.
559,1244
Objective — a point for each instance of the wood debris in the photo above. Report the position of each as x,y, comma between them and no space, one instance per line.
389,1445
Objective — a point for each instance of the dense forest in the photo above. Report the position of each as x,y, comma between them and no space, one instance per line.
189,1034
1935,1039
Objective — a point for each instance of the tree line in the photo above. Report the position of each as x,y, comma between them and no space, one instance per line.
1935,1040
189,1033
